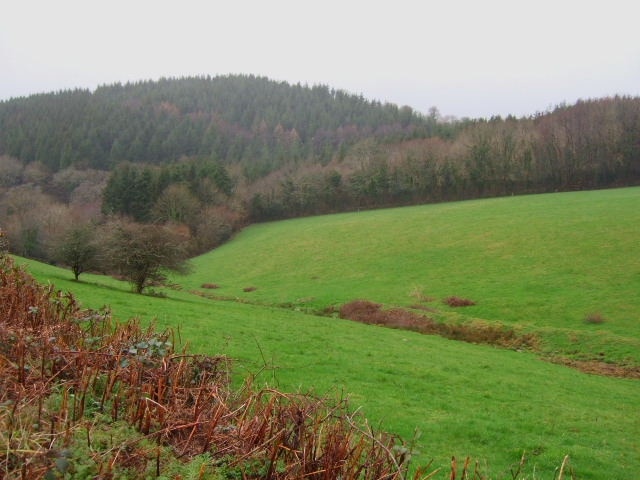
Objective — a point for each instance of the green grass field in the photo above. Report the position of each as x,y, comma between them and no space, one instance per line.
540,263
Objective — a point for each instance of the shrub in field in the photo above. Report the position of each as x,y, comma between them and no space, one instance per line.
361,311
594,317
84,397
458,302
143,253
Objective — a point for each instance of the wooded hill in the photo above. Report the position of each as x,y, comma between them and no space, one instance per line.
213,153
253,121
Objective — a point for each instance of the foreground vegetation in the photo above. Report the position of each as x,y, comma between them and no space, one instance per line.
490,403
83,397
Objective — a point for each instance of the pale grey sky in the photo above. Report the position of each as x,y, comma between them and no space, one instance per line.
468,57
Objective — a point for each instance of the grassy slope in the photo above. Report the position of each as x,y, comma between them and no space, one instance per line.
464,399
542,262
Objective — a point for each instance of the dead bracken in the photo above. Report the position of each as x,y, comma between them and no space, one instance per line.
63,368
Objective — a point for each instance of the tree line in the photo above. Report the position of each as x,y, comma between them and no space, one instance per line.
592,144
205,156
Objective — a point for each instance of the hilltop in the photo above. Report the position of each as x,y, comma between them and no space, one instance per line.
259,123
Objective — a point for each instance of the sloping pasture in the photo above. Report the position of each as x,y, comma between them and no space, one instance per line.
538,263
543,263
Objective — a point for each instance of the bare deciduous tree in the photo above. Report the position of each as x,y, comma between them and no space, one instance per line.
77,249
143,253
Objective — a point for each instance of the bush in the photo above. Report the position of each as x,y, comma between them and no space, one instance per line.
594,318
458,302
143,253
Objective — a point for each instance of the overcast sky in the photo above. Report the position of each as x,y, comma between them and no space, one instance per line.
469,58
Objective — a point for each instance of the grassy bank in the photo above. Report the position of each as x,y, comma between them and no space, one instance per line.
542,262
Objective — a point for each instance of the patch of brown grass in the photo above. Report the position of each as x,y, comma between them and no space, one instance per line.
594,318
474,332
458,302
211,286
249,289
599,367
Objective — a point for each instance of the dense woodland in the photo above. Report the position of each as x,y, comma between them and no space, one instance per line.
205,156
